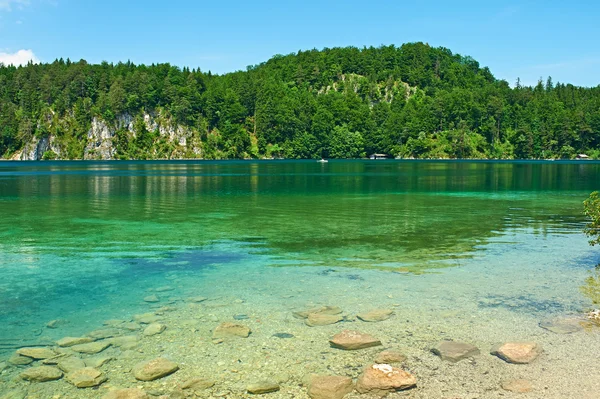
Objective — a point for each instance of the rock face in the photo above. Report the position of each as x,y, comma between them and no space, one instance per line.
86,377
353,340
229,330
322,319
41,374
381,379
329,387
517,352
91,348
154,369
129,393
154,328
517,386
36,353
387,357
261,387
376,315
455,351
330,310
70,341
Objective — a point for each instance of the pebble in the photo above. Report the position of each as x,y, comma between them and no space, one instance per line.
228,330
283,335
261,387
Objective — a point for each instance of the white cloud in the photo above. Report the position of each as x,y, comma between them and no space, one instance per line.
7,5
21,57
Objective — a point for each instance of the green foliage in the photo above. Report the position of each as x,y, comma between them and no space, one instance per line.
591,208
49,155
410,101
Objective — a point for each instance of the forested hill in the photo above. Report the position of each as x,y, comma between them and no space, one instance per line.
409,101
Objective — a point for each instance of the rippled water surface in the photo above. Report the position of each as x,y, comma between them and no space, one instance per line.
84,242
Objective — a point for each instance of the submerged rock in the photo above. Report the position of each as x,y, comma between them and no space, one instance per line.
390,356
376,315
36,353
562,326
517,352
283,335
19,360
97,361
329,386
91,348
146,318
197,299
152,299
154,369
41,374
104,333
381,379
154,329
261,387
86,377
125,342
128,393
197,384
353,340
70,364
453,351
322,319
57,323
70,341
228,330
330,310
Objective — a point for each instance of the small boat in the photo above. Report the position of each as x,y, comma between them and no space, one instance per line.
322,160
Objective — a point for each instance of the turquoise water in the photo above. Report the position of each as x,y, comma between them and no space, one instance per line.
84,242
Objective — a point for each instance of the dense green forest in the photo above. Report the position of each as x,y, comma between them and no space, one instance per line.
409,101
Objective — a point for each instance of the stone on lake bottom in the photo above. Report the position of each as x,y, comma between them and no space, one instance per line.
70,364
154,369
381,379
283,335
154,329
19,360
146,318
125,342
517,386
329,386
322,319
165,288
57,323
261,387
70,341
353,340
330,310
41,374
562,326
229,330
376,315
453,351
128,393
197,299
104,333
97,361
16,394
389,356
517,352
91,348
86,377
37,353
152,299
197,384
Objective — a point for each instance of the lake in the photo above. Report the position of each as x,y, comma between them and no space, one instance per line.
478,252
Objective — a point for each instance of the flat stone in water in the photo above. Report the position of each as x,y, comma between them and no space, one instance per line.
154,369
454,351
128,393
517,386
91,348
517,352
70,364
241,317
70,341
353,340
566,326
261,387
322,319
197,384
86,377
330,310
376,315
19,360
283,335
329,386
152,299
37,353
41,374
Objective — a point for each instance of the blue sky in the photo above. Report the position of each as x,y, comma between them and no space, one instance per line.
526,39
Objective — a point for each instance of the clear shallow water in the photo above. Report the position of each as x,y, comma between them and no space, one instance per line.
85,241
